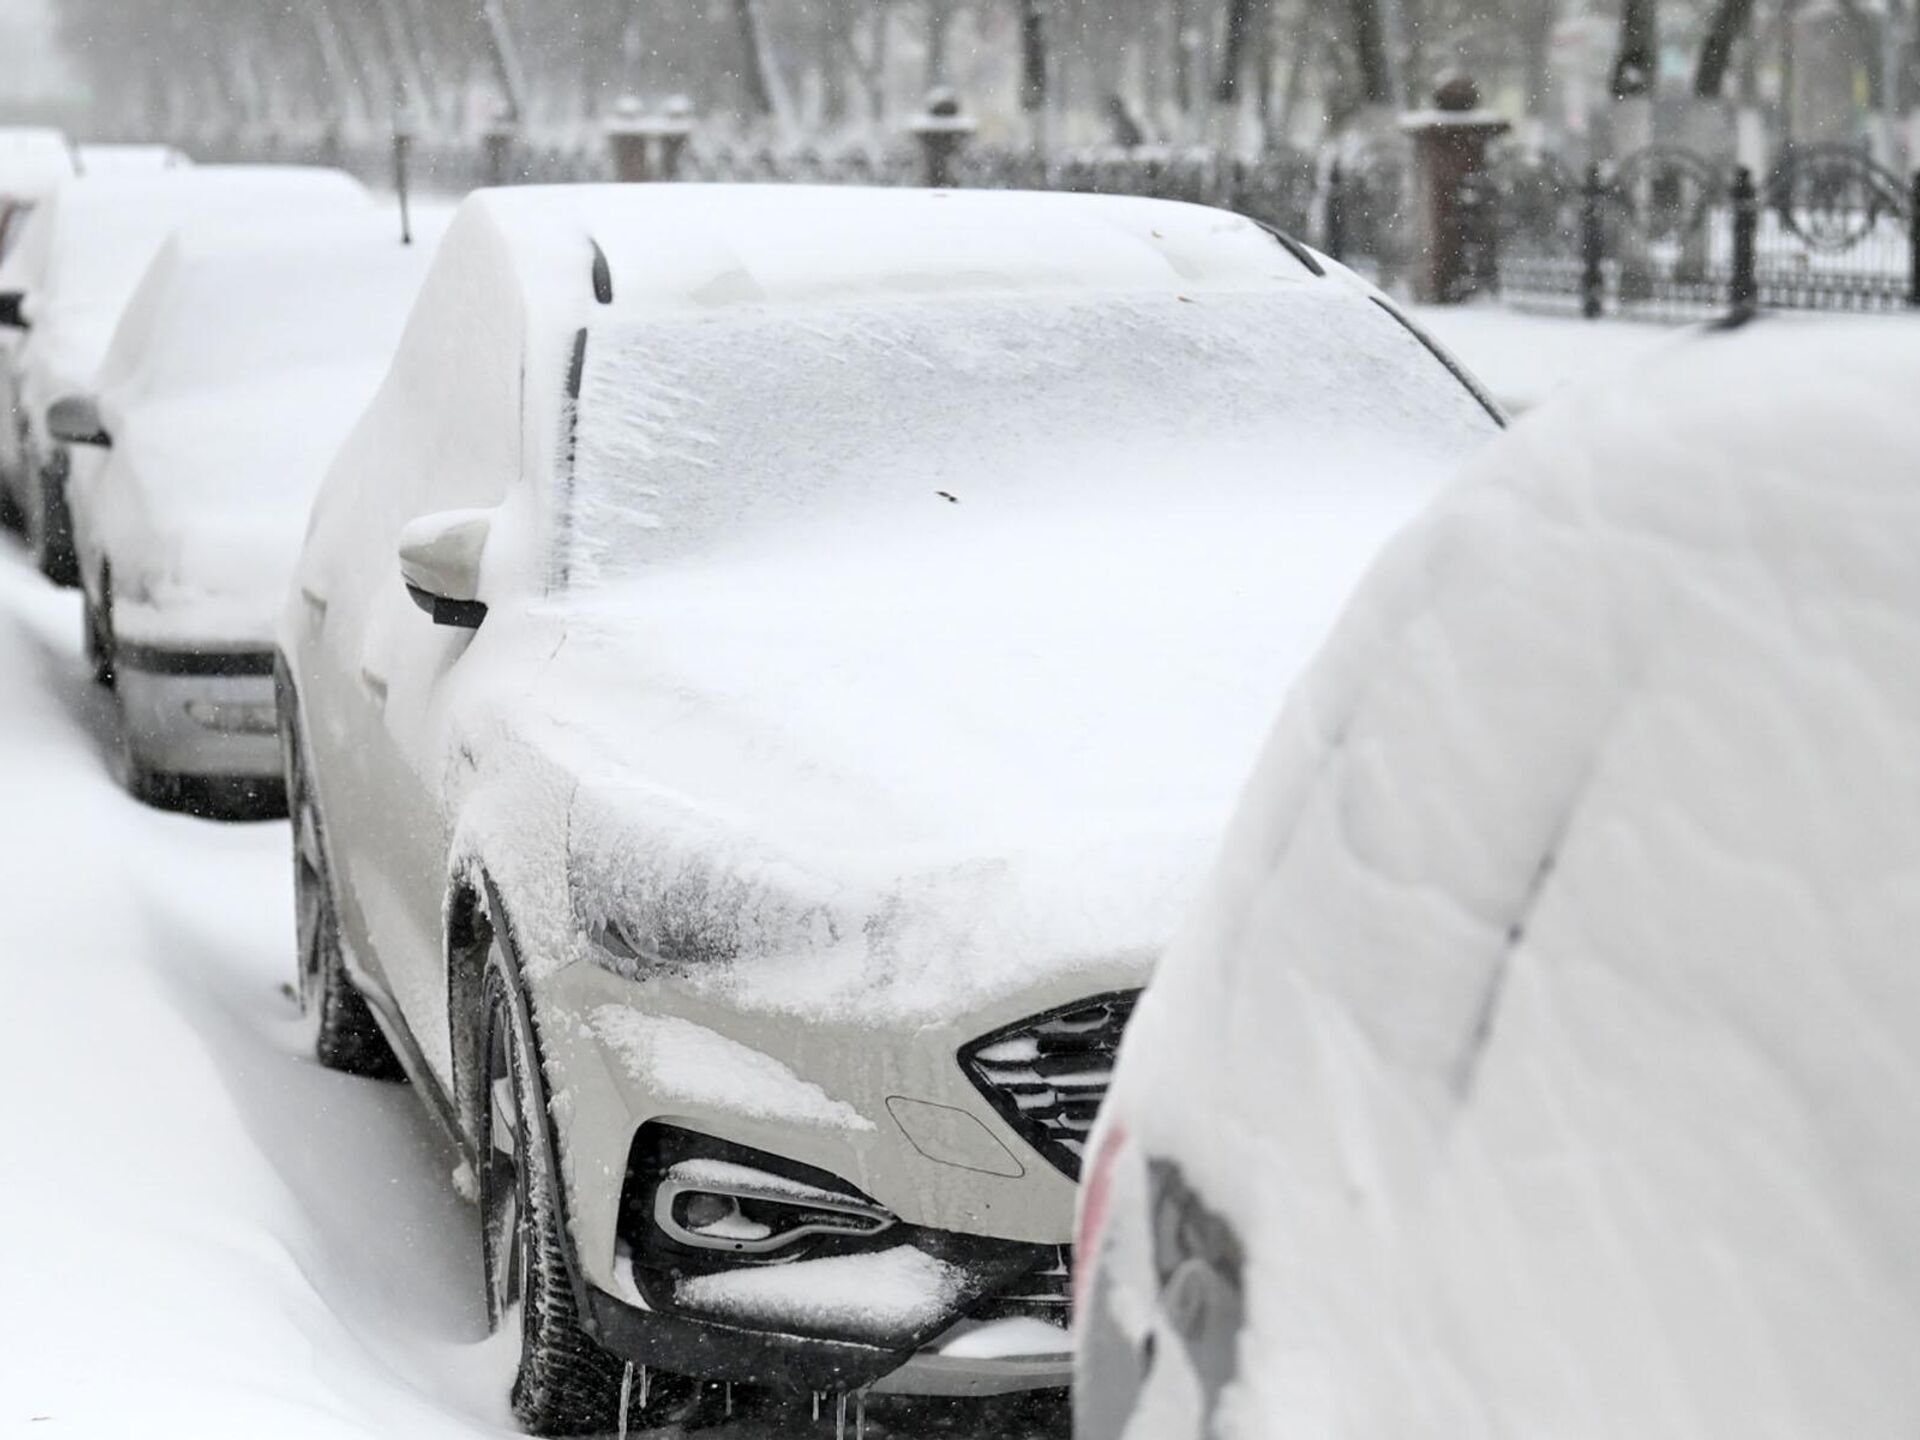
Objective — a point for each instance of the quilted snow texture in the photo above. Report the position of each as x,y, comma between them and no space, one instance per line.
1559,983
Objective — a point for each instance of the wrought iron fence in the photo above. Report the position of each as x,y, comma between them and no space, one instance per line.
1666,233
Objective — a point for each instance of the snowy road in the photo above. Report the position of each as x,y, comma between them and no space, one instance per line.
205,1234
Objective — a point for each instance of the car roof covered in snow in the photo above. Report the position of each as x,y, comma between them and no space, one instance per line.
704,247
32,161
95,235
1569,913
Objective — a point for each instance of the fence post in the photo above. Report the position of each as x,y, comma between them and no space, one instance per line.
1745,290
1334,242
1593,240
1913,242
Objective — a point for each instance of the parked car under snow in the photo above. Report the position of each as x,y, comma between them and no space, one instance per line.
62,288
1538,1059
846,615
239,366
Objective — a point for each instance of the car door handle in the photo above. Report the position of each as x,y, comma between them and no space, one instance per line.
376,685
316,607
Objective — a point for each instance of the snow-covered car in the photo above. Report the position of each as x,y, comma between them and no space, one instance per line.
1538,1059
32,161
242,361
97,160
63,286
847,615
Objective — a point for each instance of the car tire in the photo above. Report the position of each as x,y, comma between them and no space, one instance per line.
53,539
564,1383
96,623
340,1024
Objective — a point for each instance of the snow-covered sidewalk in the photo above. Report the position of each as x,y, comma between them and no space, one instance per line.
206,1235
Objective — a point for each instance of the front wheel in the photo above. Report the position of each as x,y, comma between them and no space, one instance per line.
564,1383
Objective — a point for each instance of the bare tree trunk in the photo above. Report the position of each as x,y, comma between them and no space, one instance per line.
1033,57
1729,22
506,60
1634,66
759,73
939,21
1370,49
1240,21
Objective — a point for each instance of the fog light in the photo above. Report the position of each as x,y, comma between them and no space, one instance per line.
718,1205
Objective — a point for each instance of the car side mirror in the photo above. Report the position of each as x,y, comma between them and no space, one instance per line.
76,421
13,310
440,561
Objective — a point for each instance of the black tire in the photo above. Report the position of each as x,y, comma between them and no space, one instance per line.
564,1383
52,542
96,622
341,1026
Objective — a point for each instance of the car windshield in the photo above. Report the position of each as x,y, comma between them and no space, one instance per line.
699,434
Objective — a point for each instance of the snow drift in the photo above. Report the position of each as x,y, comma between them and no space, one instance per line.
1546,1032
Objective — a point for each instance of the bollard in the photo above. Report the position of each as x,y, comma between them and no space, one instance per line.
402,149
1593,242
943,130
1744,292
1335,238
497,143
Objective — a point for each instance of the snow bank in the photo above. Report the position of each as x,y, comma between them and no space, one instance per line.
1546,1031
208,1236
32,161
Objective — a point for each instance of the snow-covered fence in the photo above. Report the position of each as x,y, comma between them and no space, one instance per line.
1665,233
1669,234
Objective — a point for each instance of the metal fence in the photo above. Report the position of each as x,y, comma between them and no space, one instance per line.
1666,233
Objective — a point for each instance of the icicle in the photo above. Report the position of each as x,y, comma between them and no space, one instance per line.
840,1416
816,1407
729,1399
626,1395
859,1415
646,1387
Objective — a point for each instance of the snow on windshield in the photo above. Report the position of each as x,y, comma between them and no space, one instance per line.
694,434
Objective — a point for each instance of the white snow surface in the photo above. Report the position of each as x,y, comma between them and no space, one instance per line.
238,368
875,1297
33,160
1547,1031
207,1236
688,1064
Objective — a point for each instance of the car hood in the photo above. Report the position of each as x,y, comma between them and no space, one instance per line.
943,761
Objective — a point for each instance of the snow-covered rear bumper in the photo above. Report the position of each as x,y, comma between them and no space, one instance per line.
200,712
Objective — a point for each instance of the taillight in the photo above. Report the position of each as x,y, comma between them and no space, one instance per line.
1095,1195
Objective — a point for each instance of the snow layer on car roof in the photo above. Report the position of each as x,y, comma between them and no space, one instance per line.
1552,1011
705,246
32,161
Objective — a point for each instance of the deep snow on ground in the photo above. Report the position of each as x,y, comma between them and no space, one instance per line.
1525,358
205,1234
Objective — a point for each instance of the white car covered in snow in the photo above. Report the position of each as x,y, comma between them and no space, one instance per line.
240,365
63,286
846,617
33,159
1539,1059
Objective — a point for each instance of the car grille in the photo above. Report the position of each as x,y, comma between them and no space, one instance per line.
1047,1075
1045,1293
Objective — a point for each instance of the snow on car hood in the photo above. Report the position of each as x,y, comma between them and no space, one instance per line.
950,755
1552,1010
